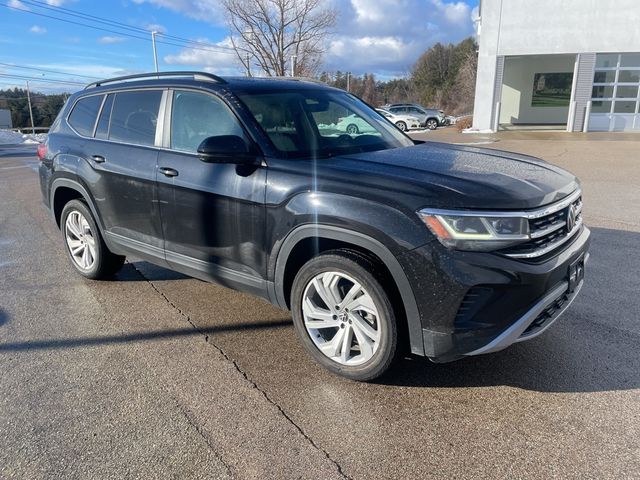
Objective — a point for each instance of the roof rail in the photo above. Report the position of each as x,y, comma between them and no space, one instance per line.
196,76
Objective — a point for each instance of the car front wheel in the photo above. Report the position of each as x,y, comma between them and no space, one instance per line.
401,125
432,124
343,315
352,129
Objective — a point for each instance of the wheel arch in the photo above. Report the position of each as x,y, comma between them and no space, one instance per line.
65,189
325,237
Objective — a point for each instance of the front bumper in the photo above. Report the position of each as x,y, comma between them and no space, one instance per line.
475,303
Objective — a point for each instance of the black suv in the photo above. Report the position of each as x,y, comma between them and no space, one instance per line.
377,244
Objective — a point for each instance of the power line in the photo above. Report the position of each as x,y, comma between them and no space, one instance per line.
114,23
48,71
213,48
38,80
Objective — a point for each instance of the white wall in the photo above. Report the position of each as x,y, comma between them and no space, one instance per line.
517,89
527,27
539,27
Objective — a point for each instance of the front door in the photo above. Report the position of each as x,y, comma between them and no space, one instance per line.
212,214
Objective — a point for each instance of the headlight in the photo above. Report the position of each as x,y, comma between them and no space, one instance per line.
473,231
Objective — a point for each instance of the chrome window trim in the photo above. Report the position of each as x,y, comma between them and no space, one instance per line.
531,214
106,93
95,125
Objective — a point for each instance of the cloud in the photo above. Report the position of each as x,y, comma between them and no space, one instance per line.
386,37
156,27
38,30
18,4
56,3
457,13
221,62
110,40
206,10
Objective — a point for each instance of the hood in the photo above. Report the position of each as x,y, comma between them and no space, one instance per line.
456,176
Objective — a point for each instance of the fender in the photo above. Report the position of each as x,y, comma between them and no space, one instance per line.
75,185
363,241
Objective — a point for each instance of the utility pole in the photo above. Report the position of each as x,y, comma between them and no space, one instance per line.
248,65
348,81
33,128
293,65
155,53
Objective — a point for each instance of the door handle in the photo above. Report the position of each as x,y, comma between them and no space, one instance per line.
168,172
98,158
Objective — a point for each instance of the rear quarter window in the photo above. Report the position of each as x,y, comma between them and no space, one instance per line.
84,114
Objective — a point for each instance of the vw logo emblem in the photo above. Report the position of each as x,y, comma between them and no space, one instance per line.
571,218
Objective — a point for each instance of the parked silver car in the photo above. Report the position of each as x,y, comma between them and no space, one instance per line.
428,117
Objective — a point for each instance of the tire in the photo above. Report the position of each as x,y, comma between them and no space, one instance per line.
372,344
432,124
402,126
84,244
352,129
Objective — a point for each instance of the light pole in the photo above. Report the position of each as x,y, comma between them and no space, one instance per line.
155,53
33,128
293,65
348,81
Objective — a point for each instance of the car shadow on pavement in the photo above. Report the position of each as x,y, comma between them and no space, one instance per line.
4,317
61,343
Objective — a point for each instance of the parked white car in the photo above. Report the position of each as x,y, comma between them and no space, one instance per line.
403,122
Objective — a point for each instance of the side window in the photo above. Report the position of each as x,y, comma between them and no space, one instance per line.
102,130
196,116
134,117
84,113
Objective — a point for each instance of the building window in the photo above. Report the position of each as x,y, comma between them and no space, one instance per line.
615,98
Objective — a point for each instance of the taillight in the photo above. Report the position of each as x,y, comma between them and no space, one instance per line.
42,151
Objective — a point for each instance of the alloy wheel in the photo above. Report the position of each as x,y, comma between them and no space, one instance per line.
341,318
80,240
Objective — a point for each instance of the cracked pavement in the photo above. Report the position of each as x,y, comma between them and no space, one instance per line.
155,374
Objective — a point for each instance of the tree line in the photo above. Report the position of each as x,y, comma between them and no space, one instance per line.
443,77
45,107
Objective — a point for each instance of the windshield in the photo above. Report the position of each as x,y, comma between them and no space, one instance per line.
321,123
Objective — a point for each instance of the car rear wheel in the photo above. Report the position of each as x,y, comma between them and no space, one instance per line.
432,124
84,244
352,129
401,125
343,315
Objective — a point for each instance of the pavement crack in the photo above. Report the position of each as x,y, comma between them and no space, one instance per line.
244,374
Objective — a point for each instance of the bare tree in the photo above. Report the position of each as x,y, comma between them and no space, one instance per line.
268,33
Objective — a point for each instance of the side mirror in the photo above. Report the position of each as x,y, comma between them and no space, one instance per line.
225,149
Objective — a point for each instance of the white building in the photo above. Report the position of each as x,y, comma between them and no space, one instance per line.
565,64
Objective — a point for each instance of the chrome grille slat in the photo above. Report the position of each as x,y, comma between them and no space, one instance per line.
549,232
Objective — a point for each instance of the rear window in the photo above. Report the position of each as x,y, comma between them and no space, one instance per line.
84,114
134,117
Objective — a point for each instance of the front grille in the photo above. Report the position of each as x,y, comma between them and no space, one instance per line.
546,315
549,231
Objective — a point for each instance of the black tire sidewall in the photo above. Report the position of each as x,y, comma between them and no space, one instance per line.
386,351
96,270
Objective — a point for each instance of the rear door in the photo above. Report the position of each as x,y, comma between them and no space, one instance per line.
212,214
123,160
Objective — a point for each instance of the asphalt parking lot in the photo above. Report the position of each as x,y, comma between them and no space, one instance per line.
156,375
